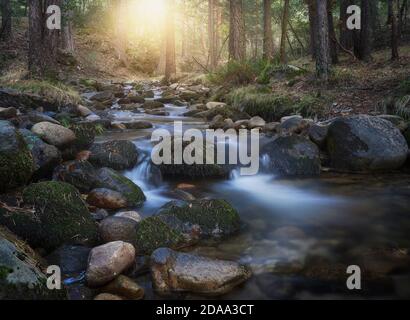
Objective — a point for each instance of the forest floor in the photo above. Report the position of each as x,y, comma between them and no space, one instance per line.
354,87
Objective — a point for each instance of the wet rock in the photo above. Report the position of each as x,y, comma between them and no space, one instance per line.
226,112
124,287
181,224
131,100
272,127
55,215
107,297
180,272
292,156
189,95
8,113
118,229
150,105
54,134
318,134
80,174
109,261
256,122
133,215
16,161
100,214
364,143
119,126
38,117
106,199
101,96
228,124
217,122
118,155
292,125
138,125
110,179
168,98
212,105
291,118
46,157
20,276
93,118
157,112
71,259
83,111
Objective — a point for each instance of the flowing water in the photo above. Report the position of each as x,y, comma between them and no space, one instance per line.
299,235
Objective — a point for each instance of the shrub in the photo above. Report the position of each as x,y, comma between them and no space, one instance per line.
234,73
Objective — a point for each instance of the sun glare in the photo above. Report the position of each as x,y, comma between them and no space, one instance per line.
146,16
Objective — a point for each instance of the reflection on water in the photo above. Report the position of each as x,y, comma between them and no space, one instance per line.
299,236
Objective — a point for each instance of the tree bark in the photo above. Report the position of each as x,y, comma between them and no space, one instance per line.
394,30
332,34
212,29
170,63
322,50
365,46
43,43
285,18
6,20
346,35
237,41
312,27
267,30
67,33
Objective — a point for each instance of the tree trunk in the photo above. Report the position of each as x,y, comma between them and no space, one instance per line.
394,30
285,18
267,30
313,27
346,35
43,43
237,41
5,28
365,46
322,50
170,63
67,34
332,34
121,31
213,50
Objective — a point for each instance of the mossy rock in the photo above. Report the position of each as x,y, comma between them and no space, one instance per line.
116,154
21,277
227,112
16,161
214,217
180,224
60,216
110,179
154,233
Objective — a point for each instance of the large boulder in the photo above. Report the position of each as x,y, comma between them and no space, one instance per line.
110,179
46,157
118,155
16,161
292,156
20,275
174,272
179,224
8,113
365,143
72,259
54,134
54,215
109,261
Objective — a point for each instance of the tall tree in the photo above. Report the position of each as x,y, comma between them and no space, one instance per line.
212,34
346,35
285,19
5,28
364,46
394,29
312,27
170,63
332,33
67,32
43,42
267,30
120,10
237,41
322,50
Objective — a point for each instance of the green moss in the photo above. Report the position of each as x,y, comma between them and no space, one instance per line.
234,73
154,233
210,215
4,272
404,87
10,291
55,92
89,83
60,216
16,161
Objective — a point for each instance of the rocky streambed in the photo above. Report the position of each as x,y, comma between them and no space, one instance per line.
79,187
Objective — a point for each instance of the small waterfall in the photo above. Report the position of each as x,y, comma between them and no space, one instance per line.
145,174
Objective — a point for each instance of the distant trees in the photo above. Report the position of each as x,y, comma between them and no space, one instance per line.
212,34
394,29
5,28
170,59
322,51
285,21
237,42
